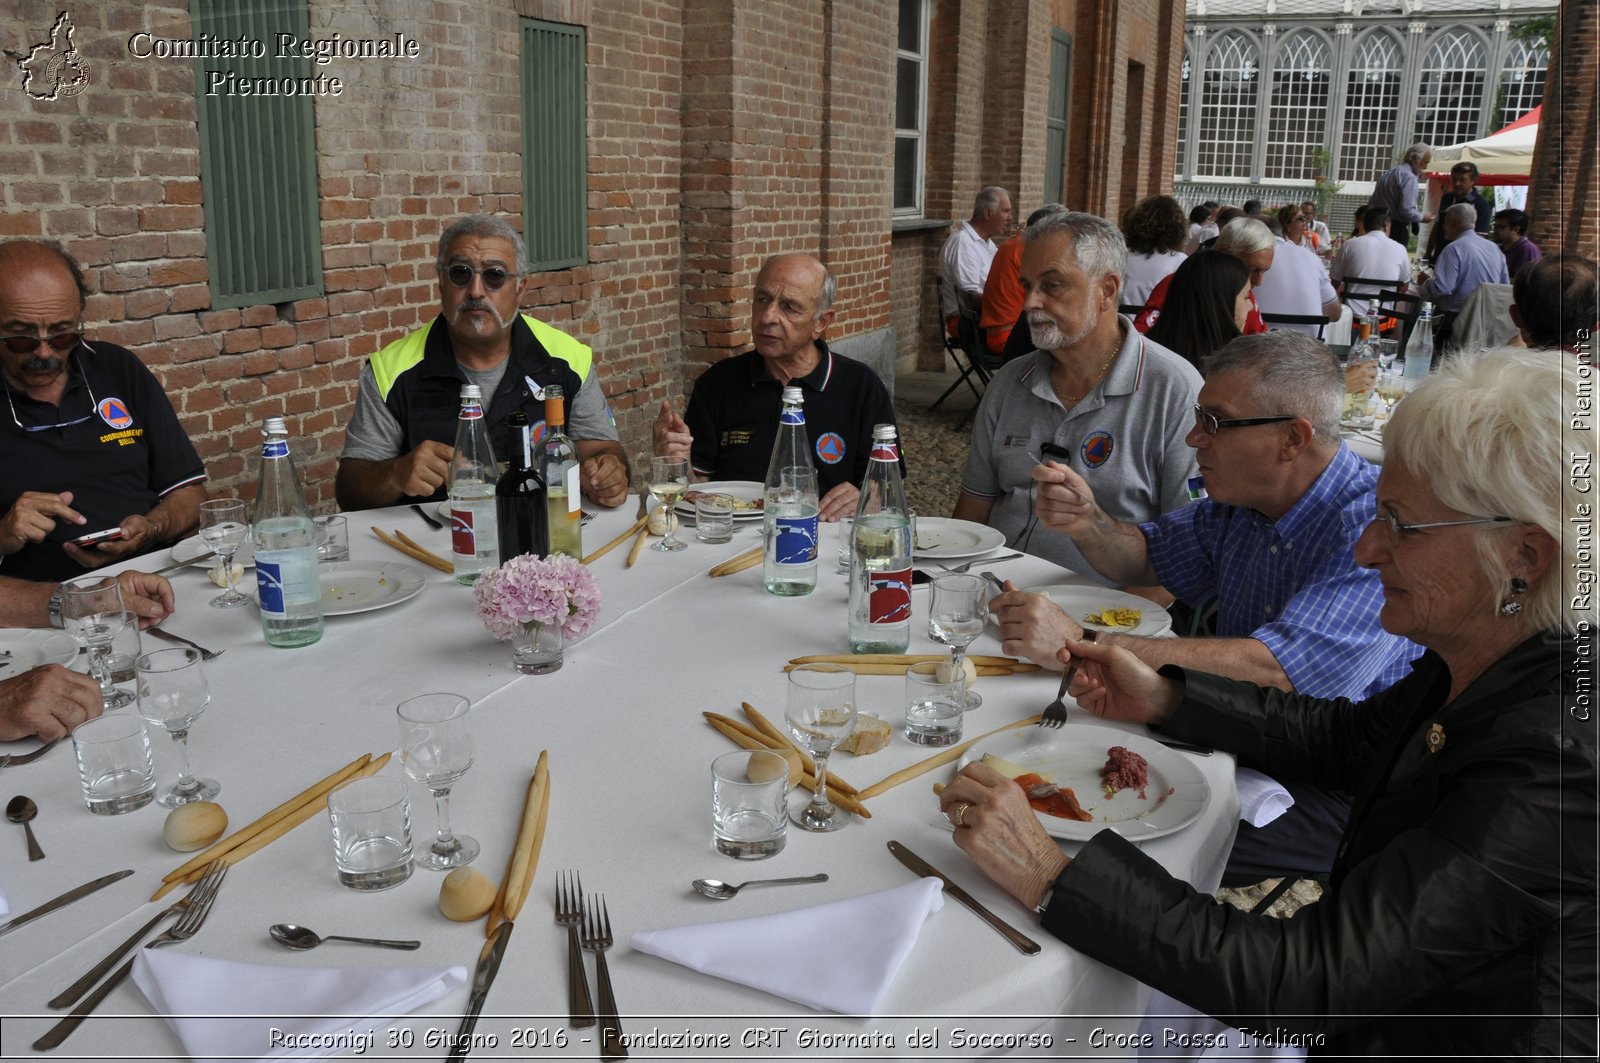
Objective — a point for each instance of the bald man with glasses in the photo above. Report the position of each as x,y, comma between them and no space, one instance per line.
90,442
402,434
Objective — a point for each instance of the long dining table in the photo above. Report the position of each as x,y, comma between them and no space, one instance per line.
629,757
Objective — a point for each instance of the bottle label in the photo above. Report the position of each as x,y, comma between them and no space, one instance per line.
885,452
472,411
463,537
889,600
792,417
275,448
796,540
282,580
574,492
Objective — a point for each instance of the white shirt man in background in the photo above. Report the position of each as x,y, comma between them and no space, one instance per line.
964,261
1296,284
1373,255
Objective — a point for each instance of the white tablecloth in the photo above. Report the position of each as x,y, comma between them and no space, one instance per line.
630,760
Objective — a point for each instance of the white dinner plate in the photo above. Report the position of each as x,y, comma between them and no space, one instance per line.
192,551
1072,756
361,586
21,650
743,490
948,539
1078,602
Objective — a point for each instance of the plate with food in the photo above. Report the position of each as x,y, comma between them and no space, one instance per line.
361,586
1082,779
1103,609
948,539
745,496
21,650
193,551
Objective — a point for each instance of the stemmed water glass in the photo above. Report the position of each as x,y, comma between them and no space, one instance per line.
173,693
93,614
820,712
956,618
224,526
669,479
436,749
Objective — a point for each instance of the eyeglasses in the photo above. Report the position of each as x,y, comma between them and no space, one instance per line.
1214,424
60,341
1397,527
94,405
460,274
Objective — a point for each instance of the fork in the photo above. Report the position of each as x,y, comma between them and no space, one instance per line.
569,913
12,760
1055,713
184,929
202,889
596,939
964,566
205,654
429,517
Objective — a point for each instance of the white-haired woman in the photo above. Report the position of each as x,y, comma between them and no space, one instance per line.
1461,917
1245,239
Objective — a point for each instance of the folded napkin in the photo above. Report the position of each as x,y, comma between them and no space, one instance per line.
862,942
219,1008
1262,798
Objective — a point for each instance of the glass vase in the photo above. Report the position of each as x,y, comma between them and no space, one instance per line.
537,648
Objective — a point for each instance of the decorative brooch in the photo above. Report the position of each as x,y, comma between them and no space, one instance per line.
1434,738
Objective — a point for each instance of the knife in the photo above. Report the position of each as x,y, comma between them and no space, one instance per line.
425,515
1025,945
482,978
185,564
65,899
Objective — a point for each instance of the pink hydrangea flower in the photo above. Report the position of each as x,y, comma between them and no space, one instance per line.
537,590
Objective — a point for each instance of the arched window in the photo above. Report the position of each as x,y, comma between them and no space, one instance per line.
1183,108
1372,100
1522,81
1451,98
1297,116
1228,107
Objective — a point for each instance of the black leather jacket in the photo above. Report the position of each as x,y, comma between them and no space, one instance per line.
1461,919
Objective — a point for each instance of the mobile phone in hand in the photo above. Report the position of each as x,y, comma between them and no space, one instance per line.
110,535
1061,454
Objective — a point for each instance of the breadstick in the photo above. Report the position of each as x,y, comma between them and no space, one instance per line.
415,555
750,557
900,669
524,853
618,541
937,760
726,723
743,737
638,546
770,730
906,658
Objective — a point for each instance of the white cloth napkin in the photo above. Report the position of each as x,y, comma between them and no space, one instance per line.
862,940
220,1008
1262,798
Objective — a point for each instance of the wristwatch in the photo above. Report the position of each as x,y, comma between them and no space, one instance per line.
53,607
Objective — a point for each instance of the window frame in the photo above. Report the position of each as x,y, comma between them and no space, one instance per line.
568,248
919,134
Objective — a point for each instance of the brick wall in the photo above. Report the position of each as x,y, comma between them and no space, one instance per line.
1564,194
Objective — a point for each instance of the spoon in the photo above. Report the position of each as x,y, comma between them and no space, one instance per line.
299,937
722,891
20,810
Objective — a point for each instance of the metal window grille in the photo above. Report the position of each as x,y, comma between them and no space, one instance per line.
1451,101
555,217
258,167
1372,100
910,106
1522,81
1297,114
1055,119
1183,107
1228,107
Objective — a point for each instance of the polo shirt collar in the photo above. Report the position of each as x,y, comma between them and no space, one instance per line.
439,354
1309,515
77,376
817,380
1124,379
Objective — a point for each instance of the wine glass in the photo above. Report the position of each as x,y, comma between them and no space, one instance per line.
956,618
173,693
224,526
436,749
93,614
669,478
820,712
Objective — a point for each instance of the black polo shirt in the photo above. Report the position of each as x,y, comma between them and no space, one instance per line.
123,454
733,415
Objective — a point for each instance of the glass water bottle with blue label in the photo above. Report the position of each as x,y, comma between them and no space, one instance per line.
790,510
287,584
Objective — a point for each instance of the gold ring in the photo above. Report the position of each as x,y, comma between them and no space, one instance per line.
961,812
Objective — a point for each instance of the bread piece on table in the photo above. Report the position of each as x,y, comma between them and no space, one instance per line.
869,735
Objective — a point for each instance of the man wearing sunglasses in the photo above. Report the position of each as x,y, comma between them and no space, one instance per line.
1272,544
401,437
90,442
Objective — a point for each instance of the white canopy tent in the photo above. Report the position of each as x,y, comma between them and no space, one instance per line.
1503,158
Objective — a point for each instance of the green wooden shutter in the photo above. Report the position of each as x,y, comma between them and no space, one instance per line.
555,218
1055,122
258,163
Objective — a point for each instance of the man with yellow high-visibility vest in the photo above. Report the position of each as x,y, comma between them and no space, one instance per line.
400,439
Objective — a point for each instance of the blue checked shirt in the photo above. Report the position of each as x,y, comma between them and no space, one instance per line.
1292,584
